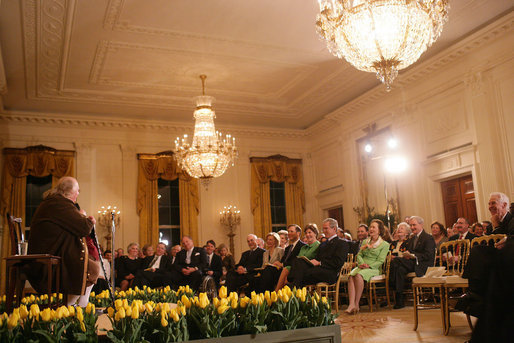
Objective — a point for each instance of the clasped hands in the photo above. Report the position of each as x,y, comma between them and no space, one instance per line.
188,270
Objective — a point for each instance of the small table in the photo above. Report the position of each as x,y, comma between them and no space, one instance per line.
15,263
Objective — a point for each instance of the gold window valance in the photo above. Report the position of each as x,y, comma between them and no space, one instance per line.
277,169
38,161
151,168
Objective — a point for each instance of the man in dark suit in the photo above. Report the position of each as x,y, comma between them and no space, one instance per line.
244,271
490,272
214,266
419,256
327,264
154,268
189,265
462,226
362,234
295,244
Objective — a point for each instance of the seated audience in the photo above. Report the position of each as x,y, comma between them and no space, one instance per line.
370,259
227,261
418,257
477,229
283,238
267,278
488,227
214,263
340,233
153,269
362,234
245,269
308,249
127,267
173,252
327,263
399,246
490,273
439,234
462,226
293,248
103,280
119,252
189,265
147,250
261,243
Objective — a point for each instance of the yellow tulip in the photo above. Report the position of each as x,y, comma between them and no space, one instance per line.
110,312
324,300
79,313
185,300
12,321
167,289
60,296
233,295
122,312
298,293
24,313
285,297
118,303
216,302
82,327
164,322
255,300
92,294
90,308
233,303
314,303
125,304
128,312
222,309
71,310
253,294
46,315
204,300
222,292
148,308
188,290
32,298
65,312
165,307
135,312
182,310
273,296
302,297
175,316
304,291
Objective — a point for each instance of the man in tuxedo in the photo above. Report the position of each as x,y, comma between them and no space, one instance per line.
189,265
244,271
295,244
419,256
327,264
214,266
154,268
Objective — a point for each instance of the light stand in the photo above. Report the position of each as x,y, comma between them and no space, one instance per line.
230,218
113,230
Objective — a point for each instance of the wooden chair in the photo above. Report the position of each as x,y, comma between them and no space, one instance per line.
331,291
487,240
379,282
16,265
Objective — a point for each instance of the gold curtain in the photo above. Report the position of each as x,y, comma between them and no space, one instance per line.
39,161
151,168
277,169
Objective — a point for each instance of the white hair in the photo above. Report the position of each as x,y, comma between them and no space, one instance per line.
418,219
501,196
252,235
332,223
405,226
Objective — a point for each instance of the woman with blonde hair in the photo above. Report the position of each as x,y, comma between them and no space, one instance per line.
267,278
227,260
128,266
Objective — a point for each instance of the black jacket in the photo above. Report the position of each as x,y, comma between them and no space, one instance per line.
198,259
251,259
164,264
332,254
424,251
506,226
288,257
216,267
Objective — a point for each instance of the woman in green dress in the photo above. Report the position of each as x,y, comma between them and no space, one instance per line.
370,259
308,250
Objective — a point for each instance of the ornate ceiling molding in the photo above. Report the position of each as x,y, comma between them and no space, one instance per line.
123,124
474,41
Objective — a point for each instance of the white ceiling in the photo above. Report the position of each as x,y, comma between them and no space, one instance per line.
137,60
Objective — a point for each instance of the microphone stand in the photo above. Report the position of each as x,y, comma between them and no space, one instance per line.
113,274
95,241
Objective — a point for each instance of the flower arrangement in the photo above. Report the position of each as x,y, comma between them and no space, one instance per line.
146,315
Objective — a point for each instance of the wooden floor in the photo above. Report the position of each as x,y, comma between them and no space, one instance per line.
396,326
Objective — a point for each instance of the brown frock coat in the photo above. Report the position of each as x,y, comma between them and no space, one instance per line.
57,228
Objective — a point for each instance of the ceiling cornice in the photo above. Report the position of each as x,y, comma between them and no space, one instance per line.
474,41
124,124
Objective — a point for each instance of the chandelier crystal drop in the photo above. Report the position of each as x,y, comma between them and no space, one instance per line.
209,155
381,36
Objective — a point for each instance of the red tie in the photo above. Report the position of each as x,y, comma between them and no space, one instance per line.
461,236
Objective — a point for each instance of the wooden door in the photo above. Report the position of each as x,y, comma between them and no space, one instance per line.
459,200
337,214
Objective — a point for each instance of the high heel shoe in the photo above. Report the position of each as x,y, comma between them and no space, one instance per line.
352,311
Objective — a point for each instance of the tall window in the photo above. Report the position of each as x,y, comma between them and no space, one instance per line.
169,212
277,196
36,186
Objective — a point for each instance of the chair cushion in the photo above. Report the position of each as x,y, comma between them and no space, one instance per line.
411,274
378,277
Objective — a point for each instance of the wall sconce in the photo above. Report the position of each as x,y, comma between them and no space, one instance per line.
230,217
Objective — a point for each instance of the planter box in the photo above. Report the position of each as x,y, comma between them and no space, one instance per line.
320,334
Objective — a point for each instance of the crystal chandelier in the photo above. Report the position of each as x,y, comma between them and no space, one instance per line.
381,36
209,154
